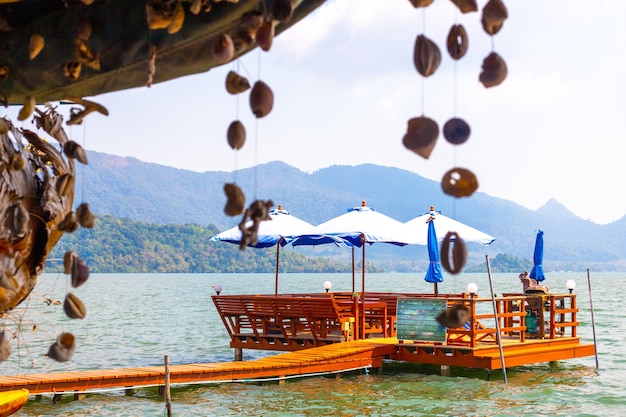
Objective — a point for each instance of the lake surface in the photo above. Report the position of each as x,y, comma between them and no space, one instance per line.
136,319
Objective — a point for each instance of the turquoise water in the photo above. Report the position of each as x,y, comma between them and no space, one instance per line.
136,319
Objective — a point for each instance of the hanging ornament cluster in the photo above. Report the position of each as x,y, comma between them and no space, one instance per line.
422,132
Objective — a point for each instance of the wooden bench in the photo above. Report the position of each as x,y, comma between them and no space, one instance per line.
235,317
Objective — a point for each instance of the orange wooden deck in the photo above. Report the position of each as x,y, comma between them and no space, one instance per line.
333,358
327,359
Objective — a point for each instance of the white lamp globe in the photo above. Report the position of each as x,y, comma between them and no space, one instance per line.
472,288
328,285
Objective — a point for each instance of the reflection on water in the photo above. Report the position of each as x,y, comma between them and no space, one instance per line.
133,320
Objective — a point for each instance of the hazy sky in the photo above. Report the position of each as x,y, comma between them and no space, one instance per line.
345,86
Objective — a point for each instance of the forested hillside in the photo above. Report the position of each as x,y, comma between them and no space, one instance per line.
123,245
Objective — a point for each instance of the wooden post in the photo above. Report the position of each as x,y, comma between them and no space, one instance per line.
497,320
168,399
593,321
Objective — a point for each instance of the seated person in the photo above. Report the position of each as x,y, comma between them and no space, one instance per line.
526,281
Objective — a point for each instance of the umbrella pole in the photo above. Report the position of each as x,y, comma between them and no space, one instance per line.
362,287
436,289
495,315
277,256
593,322
353,289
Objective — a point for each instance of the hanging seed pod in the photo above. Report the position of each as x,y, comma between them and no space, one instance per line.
421,136
71,69
466,6
17,219
27,109
178,18
421,3
235,200
85,217
236,135
83,29
426,56
494,70
223,49
457,42
454,317
64,185
265,35
16,162
80,272
235,83
459,253
68,261
74,150
459,182
63,349
261,99
494,15
73,307
35,45
456,131
69,223
282,10
5,345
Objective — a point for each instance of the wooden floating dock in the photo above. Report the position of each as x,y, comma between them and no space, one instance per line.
333,333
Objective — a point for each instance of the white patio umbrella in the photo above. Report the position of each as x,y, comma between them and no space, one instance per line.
359,226
443,225
279,231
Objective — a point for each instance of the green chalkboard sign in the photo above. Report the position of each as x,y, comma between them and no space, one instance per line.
415,319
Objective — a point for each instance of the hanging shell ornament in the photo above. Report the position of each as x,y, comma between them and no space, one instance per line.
459,253
73,150
421,136
261,99
16,162
63,349
68,261
4,126
454,317
80,272
257,212
265,35
74,307
64,184
5,345
71,70
466,6
457,42
426,56
459,182
421,3
236,135
178,18
224,49
456,131
235,200
77,114
85,217
494,15
282,10
198,6
69,223
35,45
236,83
27,109
494,70
17,220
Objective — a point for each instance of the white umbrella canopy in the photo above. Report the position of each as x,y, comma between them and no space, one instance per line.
359,225
279,231
443,225
282,227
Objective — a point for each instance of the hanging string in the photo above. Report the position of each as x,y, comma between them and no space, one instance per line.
423,10
256,132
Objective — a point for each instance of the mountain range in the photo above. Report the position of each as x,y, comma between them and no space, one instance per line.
126,187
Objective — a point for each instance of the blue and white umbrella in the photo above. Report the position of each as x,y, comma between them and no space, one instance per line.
537,271
433,272
279,231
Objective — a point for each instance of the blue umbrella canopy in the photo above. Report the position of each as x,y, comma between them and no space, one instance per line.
433,273
537,271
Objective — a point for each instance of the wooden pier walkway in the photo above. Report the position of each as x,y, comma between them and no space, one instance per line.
340,357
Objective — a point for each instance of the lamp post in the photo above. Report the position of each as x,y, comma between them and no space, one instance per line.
217,288
472,289
570,285
327,285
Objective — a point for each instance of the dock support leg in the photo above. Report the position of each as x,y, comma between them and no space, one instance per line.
238,354
445,370
56,398
282,380
79,396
